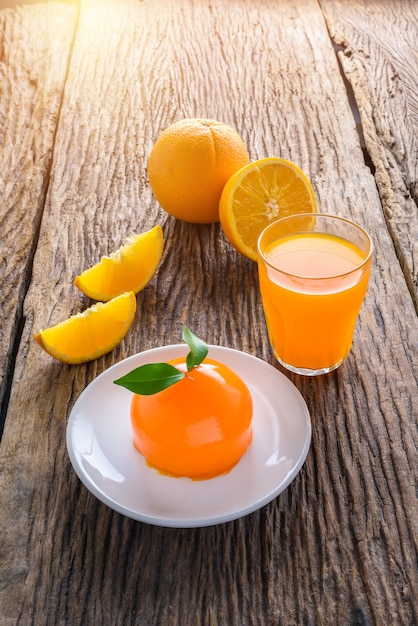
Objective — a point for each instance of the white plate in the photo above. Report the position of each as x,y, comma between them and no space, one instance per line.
99,442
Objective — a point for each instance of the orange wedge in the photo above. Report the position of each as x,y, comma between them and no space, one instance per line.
88,335
130,268
259,193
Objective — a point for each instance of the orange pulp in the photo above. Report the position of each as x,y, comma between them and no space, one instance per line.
199,427
312,290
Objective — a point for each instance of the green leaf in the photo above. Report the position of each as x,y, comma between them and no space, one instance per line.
154,377
198,349
151,378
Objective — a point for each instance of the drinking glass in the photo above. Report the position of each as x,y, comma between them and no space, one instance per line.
313,273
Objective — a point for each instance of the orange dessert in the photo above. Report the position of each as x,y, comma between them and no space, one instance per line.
199,427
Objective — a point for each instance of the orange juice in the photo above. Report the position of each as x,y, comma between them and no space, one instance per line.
312,285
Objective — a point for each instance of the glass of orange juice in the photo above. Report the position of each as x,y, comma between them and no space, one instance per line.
313,272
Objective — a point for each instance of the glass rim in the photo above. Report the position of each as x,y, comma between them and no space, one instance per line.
321,215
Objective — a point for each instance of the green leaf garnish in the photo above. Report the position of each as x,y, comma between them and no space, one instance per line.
149,379
198,349
154,377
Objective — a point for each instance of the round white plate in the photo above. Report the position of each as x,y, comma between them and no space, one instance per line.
99,442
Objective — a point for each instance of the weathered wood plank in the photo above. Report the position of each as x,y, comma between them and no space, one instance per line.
379,56
336,546
35,42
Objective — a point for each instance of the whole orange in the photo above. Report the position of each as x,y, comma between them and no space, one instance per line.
189,165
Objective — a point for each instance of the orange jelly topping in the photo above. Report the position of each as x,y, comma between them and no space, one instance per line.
199,427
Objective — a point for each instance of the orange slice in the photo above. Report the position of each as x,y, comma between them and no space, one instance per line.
88,335
130,268
259,193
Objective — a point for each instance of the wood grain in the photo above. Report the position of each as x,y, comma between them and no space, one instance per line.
381,71
339,545
30,99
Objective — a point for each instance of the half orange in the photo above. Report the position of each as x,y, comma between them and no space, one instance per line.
259,193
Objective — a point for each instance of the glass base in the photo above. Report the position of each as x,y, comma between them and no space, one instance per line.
305,371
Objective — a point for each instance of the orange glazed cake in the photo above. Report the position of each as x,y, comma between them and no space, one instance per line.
198,428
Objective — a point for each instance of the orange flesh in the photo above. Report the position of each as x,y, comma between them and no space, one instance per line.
199,427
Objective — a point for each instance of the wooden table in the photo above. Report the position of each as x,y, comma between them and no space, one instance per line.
85,89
